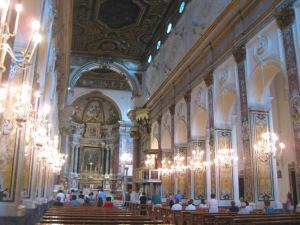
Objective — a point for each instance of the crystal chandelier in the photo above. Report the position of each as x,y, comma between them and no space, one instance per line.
179,166
267,146
225,158
22,58
150,161
197,162
166,167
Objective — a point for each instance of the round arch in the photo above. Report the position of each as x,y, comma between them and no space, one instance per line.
225,102
262,77
95,94
114,66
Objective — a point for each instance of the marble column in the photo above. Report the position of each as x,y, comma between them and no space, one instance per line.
159,153
285,17
209,84
239,54
172,113
187,98
136,151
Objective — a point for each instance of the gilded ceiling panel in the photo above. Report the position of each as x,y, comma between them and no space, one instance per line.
118,28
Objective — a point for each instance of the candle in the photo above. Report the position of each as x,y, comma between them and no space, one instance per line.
5,6
19,9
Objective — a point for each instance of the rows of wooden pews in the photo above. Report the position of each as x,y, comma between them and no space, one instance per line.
202,217
60,215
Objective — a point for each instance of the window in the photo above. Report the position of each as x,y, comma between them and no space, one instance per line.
149,58
169,28
158,45
181,7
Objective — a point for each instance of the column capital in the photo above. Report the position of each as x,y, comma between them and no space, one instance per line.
172,109
209,78
285,15
239,53
187,96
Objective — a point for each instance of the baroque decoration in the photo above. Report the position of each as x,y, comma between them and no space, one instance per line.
119,29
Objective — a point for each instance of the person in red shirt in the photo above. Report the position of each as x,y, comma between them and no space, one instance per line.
108,203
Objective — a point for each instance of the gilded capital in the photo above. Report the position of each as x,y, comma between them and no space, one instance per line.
285,15
209,79
239,53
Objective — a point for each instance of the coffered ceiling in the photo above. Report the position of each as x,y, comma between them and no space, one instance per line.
123,29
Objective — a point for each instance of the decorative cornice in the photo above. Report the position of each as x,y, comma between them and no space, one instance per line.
285,15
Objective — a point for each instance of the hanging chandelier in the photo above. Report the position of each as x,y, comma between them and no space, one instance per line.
22,58
197,162
267,146
224,158
179,166
166,167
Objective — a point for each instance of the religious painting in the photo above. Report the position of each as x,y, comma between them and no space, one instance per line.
225,170
260,124
199,174
94,112
95,108
90,160
8,166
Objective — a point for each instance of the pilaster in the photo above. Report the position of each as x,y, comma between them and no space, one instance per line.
159,153
285,17
209,84
239,54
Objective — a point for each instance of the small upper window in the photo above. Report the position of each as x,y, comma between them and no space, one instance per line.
169,28
149,58
181,7
158,45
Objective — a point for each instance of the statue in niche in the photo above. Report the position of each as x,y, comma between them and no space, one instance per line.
93,112
76,113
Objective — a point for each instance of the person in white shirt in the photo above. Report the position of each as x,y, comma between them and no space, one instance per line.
213,204
190,206
176,206
202,204
62,196
248,207
134,197
243,209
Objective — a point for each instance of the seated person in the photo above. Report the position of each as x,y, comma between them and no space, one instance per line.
190,206
268,208
233,207
74,201
81,195
143,199
176,206
243,209
213,205
108,203
58,202
81,199
92,197
248,207
202,204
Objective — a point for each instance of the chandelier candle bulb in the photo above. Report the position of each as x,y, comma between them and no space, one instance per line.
19,9
4,11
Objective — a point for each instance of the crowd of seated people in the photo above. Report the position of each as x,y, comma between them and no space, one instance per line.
73,199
